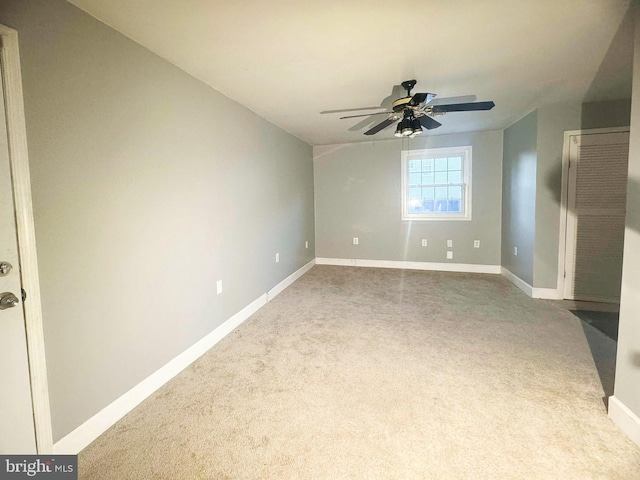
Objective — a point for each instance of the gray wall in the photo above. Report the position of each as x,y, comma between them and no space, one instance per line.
627,385
553,120
606,114
519,196
148,186
358,194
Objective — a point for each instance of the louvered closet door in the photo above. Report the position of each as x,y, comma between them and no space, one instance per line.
596,214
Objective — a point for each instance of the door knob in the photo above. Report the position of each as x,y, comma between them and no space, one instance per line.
8,300
5,268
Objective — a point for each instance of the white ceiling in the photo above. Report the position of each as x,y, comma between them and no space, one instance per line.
288,60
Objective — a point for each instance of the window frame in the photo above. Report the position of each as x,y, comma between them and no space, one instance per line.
431,153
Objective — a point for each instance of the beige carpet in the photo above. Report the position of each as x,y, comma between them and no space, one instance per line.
383,374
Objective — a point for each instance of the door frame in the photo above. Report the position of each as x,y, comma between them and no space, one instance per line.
564,196
19,164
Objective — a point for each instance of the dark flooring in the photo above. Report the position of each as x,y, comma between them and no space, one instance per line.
606,322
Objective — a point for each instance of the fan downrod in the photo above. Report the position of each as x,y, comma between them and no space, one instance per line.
408,86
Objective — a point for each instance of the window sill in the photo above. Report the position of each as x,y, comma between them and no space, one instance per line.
436,219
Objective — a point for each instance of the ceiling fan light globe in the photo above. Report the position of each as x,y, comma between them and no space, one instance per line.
416,127
405,127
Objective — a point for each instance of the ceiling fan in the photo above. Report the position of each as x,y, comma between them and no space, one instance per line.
416,111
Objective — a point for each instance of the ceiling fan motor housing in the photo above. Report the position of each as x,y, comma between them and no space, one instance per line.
400,104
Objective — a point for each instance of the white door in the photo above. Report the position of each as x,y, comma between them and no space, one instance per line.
596,204
17,433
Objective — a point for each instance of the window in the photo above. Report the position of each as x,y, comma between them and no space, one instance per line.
436,184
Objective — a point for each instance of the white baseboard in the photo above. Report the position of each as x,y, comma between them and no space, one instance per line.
625,419
533,292
271,294
517,281
86,433
546,293
443,267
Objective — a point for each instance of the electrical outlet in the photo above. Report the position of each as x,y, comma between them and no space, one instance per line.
449,255
219,287
306,244
424,242
515,251
355,240
277,257
476,244
449,243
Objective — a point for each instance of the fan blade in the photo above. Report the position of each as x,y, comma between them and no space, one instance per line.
351,110
363,124
448,100
365,115
419,98
463,107
428,122
380,126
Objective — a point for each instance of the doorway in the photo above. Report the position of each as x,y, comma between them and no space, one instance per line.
25,420
594,189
